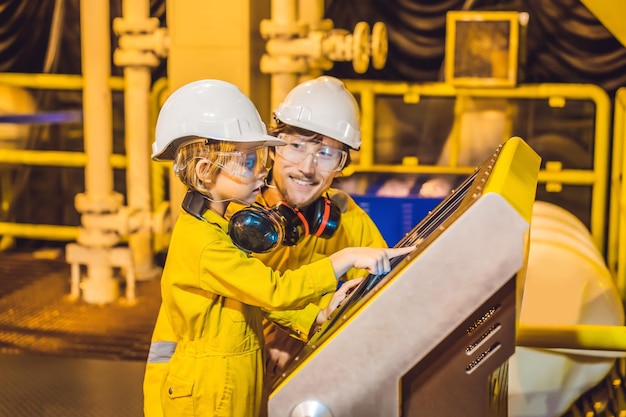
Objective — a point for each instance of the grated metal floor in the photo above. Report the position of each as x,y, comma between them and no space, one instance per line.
53,386
63,358
37,316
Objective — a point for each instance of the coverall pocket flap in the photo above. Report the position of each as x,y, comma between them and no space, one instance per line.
178,388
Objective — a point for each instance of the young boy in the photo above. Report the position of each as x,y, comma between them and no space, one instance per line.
213,293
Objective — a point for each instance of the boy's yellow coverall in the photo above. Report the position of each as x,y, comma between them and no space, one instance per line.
356,229
213,295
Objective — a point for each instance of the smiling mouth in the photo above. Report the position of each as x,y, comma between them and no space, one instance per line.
300,181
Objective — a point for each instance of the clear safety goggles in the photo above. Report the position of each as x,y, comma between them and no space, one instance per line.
298,148
249,164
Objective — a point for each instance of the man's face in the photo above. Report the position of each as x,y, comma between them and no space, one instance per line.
302,171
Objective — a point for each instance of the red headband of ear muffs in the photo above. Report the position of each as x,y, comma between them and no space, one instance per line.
324,217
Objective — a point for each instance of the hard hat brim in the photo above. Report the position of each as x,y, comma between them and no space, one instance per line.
169,152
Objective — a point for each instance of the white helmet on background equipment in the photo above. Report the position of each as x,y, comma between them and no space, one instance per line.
211,109
323,105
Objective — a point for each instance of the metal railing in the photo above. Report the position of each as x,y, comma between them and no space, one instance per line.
555,94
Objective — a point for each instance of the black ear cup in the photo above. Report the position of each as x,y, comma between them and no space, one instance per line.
255,229
295,224
324,217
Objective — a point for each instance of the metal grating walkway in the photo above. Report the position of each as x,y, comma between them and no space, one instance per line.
63,358
36,315
53,386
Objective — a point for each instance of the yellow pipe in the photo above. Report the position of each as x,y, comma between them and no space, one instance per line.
53,158
159,87
569,176
366,154
159,171
53,81
455,132
137,136
620,127
283,13
311,12
617,231
578,336
617,196
39,231
97,101
100,285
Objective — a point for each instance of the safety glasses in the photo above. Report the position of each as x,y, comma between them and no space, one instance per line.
298,148
244,164
248,164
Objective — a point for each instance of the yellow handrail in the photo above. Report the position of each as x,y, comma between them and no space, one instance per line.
556,94
616,256
47,157
575,336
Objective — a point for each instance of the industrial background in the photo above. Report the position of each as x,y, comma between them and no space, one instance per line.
82,81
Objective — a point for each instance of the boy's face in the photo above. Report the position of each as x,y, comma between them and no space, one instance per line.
242,177
301,183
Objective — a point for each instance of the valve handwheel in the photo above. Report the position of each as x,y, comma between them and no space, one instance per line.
361,47
379,45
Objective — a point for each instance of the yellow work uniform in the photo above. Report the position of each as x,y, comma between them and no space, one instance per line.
355,229
213,295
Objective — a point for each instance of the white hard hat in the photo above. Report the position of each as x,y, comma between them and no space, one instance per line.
211,109
323,105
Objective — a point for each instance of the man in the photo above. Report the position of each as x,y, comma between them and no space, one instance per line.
319,119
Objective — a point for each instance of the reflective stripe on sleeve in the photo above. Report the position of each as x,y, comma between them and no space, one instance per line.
161,352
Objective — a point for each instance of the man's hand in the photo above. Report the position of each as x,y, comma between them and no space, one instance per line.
338,297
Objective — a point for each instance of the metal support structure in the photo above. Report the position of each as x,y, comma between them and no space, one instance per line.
141,40
104,220
99,199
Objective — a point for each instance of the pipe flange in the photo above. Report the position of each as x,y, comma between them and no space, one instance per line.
122,25
130,58
272,29
282,65
88,203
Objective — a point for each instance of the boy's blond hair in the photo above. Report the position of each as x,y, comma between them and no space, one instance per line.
188,156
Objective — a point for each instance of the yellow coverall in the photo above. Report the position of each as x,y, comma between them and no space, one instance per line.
356,229
213,295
